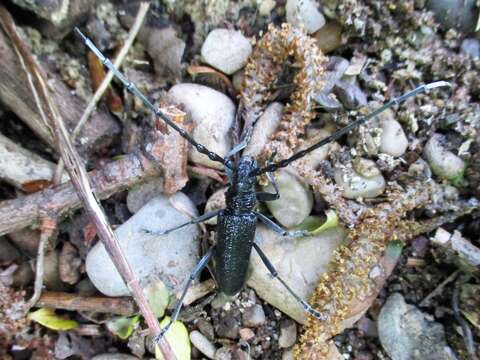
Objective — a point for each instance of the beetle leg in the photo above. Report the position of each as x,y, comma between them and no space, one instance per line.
307,307
198,220
266,196
196,271
280,230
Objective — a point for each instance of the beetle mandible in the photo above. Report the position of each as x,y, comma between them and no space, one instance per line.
236,224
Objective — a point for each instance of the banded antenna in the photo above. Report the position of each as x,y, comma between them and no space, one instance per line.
336,135
134,90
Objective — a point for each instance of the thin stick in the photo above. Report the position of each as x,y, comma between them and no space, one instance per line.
142,12
74,302
48,228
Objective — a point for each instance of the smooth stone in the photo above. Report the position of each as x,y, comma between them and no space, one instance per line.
288,355
353,185
166,50
170,258
299,261
265,127
288,333
329,37
254,316
114,356
228,327
471,47
142,193
215,202
213,114
246,334
443,163
305,13
296,199
462,15
406,333
23,275
206,328
204,345
350,94
315,158
51,272
226,50
8,252
394,142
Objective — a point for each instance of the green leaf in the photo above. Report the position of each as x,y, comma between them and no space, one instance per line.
177,337
316,224
158,297
123,326
49,319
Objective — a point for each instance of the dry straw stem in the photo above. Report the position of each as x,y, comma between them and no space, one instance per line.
79,178
142,12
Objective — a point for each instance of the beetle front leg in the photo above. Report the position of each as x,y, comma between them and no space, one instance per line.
280,230
196,271
198,220
306,306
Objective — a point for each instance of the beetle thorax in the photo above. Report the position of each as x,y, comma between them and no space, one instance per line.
241,193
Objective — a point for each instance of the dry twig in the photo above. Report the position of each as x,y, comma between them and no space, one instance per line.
74,302
48,229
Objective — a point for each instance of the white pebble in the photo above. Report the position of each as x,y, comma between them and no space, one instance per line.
353,185
444,163
213,114
306,13
264,129
296,199
202,344
393,140
226,50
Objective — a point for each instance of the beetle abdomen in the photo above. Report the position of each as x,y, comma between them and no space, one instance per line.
235,234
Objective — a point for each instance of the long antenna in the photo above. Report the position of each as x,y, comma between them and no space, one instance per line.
134,90
283,163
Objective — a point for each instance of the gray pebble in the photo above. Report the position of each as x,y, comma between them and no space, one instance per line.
288,333
114,356
228,327
140,194
254,316
169,258
226,50
224,353
264,128
8,252
461,15
206,328
408,334
471,47
350,94
203,344
305,13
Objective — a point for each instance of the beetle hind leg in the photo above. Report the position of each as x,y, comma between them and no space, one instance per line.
306,306
196,271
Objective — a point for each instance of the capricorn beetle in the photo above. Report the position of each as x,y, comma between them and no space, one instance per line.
236,224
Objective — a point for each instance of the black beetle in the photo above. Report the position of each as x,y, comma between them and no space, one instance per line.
236,223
